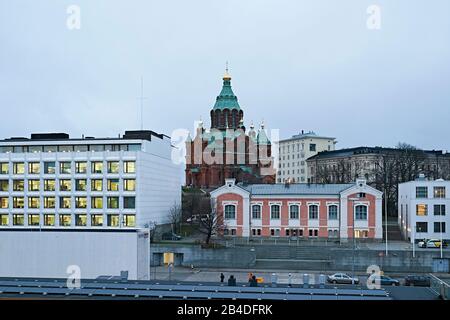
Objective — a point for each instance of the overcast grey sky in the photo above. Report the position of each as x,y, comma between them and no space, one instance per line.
311,65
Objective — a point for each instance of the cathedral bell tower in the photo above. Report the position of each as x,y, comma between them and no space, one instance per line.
226,113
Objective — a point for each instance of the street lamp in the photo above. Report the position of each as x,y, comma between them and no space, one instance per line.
386,219
353,237
440,229
414,231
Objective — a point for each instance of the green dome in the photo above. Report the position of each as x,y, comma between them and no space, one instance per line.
226,99
262,138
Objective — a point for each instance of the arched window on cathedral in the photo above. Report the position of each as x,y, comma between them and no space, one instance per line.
234,118
218,124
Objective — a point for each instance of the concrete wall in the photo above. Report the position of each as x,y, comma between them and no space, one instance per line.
49,253
237,257
291,258
396,261
159,183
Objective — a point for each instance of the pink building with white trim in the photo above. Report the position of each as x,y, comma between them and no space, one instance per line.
303,210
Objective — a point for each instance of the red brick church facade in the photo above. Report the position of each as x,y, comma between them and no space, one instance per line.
227,150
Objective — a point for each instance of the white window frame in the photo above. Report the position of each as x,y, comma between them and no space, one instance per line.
255,230
230,203
275,232
260,204
361,230
318,210
313,229
280,204
329,204
363,204
294,203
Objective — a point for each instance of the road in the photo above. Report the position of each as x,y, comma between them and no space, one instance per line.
180,274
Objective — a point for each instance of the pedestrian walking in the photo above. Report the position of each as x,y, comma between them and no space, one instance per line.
290,280
222,277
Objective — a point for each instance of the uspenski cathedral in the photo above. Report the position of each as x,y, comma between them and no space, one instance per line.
227,149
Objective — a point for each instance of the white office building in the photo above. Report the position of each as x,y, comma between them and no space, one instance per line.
85,202
423,207
294,152
53,181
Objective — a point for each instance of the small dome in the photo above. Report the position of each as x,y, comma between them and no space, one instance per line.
226,76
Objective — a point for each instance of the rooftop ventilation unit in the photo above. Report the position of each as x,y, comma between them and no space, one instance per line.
49,136
17,139
142,135
421,177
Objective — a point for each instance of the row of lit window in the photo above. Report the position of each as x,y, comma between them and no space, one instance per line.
294,212
438,192
290,179
67,167
66,202
66,185
71,148
290,232
422,209
65,220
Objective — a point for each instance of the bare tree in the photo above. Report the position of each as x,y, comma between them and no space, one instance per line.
389,168
344,171
323,174
175,216
402,164
385,169
208,221
191,202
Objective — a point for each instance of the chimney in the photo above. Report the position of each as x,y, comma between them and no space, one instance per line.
287,182
421,177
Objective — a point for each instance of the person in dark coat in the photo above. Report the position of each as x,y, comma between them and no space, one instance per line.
222,277
231,281
253,282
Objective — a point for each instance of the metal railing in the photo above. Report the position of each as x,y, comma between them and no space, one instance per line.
440,287
236,241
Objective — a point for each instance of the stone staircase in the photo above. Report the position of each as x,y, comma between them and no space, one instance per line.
394,233
293,257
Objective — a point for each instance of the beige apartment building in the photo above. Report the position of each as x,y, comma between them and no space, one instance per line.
294,152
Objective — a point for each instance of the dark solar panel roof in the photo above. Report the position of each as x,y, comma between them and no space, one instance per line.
100,288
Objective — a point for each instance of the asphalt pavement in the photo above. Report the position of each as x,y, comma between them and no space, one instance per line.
212,276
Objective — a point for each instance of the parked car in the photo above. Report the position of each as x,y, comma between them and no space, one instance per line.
388,281
431,243
419,281
342,278
170,236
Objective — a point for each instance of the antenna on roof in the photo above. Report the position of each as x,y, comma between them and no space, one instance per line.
142,98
